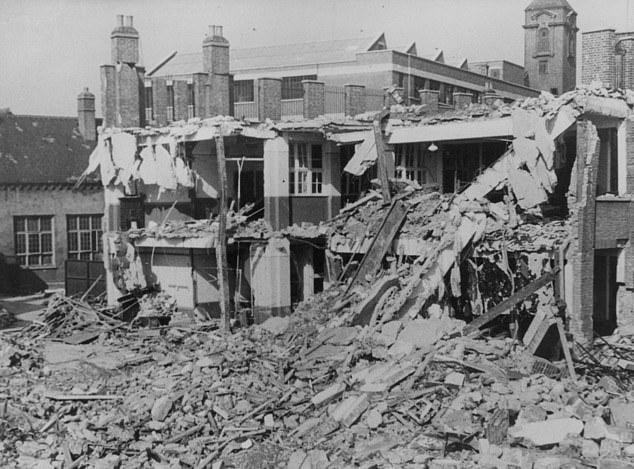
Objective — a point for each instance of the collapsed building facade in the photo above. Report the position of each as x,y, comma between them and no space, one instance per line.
497,197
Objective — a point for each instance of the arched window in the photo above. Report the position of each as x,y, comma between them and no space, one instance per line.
543,40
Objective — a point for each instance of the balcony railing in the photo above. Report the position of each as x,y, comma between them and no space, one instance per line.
292,108
335,101
245,110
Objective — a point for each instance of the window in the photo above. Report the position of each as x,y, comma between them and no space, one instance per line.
84,237
170,101
554,91
243,91
34,241
191,100
408,159
305,169
292,86
494,72
608,170
149,113
543,40
543,67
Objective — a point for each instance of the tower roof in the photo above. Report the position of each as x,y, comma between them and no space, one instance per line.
544,4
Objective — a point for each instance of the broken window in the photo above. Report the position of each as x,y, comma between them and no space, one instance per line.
543,40
605,289
84,237
305,169
608,175
292,87
243,91
409,162
34,237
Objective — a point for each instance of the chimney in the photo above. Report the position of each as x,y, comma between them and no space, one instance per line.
86,115
124,41
216,65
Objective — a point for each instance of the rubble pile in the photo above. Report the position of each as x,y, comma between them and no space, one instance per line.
307,393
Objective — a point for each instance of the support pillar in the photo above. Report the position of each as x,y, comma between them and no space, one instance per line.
276,190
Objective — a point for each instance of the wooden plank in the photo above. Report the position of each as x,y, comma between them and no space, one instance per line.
381,243
510,302
221,246
566,346
383,161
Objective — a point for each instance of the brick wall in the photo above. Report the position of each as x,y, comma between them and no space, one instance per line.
314,98
180,99
354,99
580,312
159,99
199,82
269,98
598,59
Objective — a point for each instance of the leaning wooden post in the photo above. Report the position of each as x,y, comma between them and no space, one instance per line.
221,244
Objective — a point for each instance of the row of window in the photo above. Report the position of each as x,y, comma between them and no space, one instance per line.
292,88
445,90
35,239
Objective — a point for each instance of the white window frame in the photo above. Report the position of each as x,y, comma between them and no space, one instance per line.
94,249
409,163
25,257
305,178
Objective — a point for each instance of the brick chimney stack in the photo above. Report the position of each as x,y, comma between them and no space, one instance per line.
125,41
86,115
216,66
122,81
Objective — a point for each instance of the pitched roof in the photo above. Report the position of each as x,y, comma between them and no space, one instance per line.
545,4
285,55
41,149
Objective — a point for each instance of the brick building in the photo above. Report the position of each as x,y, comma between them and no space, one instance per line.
550,45
46,222
608,58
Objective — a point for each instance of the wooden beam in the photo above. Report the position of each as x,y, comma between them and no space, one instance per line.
510,302
221,244
384,158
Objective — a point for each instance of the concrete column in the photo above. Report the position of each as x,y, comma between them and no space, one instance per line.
462,100
429,98
314,98
271,279
354,99
276,190
582,249
269,98
332,177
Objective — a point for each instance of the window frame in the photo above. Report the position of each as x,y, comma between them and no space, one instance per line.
26,233
241,87
543,67
409,161
305,177
95,235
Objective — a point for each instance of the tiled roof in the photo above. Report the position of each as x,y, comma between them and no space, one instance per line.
41,149
286,55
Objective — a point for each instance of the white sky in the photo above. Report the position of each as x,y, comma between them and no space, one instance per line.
51,49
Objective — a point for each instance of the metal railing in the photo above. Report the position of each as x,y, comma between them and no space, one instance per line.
293,108
245,110
335,100
374,99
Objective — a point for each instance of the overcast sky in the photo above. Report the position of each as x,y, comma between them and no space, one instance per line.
51,49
